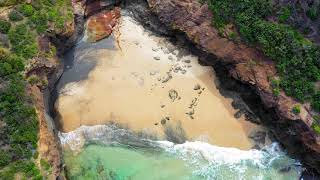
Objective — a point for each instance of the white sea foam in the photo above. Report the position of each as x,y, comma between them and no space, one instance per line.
208,161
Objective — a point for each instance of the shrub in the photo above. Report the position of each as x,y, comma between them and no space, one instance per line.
40,20
4,26
316,101
285,13
296,109
15,16
26,9
296,58
312,13
23,41
44,164
4,158
33,79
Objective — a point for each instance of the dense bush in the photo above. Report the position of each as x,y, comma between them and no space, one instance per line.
297,59
20,134
40,21
23,41
313,13
285,13
15,16
296,109
26,9
4,158
4,26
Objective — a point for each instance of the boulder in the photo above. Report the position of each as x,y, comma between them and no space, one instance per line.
101,25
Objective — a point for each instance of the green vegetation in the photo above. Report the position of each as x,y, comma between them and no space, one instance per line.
23,41
313,12
15,16
275,84
44,164
296,109
54,13
28,169
296,58
285,13
18,120
4,26
316,124
26,9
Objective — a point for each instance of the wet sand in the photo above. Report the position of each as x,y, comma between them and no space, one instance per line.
149,85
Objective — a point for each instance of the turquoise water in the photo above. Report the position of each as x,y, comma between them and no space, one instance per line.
192,161
99,162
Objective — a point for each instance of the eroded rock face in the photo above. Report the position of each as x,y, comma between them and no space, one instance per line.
93,6
248,66
101,25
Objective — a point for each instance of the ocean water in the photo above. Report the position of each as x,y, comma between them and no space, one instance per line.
99,152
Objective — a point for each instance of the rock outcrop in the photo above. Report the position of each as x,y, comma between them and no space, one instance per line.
100,26
250,67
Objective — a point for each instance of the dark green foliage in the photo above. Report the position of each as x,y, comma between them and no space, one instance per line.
9,63
316,124
316,101
23,41
26,9
297,59
4,158
21,130
51,12
15,16
44,164
40,21
27,167
20,133
4,26
285,13
296,109
313,13
275,84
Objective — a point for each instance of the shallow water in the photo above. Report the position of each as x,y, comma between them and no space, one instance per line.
106,156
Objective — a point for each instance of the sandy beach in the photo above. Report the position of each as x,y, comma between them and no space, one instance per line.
149,85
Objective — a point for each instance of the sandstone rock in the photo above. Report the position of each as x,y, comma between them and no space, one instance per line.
249,66
101,25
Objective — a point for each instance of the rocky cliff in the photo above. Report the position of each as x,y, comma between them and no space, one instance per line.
245,64
249,66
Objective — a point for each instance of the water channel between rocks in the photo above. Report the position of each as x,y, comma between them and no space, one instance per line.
134,83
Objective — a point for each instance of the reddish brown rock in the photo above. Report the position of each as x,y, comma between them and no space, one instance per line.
94,6
101,25
249,66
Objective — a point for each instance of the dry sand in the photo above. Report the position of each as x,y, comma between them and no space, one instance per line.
132,86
